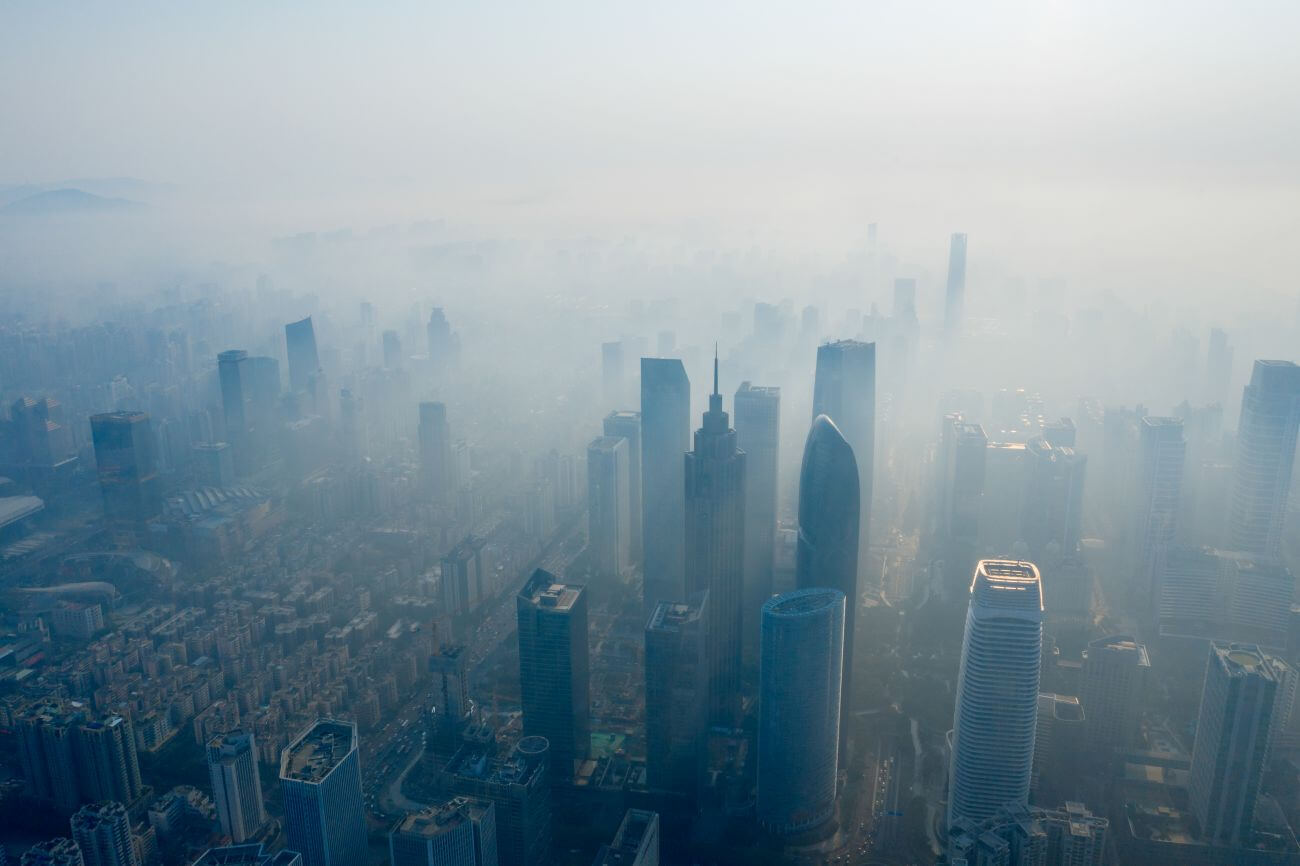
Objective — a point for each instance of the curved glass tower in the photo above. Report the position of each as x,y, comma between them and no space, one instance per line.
827,554
800,666
997,691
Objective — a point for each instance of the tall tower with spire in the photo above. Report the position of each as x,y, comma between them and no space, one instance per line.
715,550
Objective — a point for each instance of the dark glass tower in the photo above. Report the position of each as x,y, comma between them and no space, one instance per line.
758,434
715,550
845,392
435,452
304,362
675,684
628,425
127,466
665,437
1266,441
827,554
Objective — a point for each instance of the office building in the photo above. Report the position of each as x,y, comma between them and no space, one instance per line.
954,311
758,434
960,475
611,373
214,464
392,345
236,786
126,462
1052,519
459,832
676,688
519,789
103,834
845,392
553,669
665,437
997,691
1111,686
1058,731
609,522
40,440
320,782
1232,735
827,552
437,469
635,844
628,425
300,346
1159,491
1266,444
1224,595
801,663
444,344
1020,835
715,550
233,372
252,854
53,852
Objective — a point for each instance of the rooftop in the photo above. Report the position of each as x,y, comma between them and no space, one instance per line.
672,615
544,590
444,818
317,752
1006,583
802,602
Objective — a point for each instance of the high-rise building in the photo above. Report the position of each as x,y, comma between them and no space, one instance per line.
48,752
53,852
1225,595
459,832
676,685
214,464
553,668
628,425
127,465
444,344
665,437
107,767
960,474
955,296
758,434
320,781
611,373
1266,444
997,691
449,666
236,786
1051,522
1232,735
392,344
518,787
232,372
800,670
437,470
103,833
1114,675
827,553
715,550
1030,836
304,362
845,392
635,844
1159,489
609,525
251,854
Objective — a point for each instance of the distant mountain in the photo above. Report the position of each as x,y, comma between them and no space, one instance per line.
67,201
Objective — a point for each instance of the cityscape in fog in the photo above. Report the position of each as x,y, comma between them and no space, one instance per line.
431,440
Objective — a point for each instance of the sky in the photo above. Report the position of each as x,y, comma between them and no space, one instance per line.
1153,146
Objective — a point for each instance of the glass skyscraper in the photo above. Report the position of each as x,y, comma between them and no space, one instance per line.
665,437
1266,443
320,781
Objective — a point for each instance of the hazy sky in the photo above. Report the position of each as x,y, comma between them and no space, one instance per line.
1156,143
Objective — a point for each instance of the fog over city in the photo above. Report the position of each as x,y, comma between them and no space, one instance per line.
522,433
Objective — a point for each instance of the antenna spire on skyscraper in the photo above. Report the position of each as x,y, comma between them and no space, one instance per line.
715,367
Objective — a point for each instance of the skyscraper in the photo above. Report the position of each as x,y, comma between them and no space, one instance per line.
997,691
436,467
47,748
758,434
1114,676
608,504
459,832
665,437
1051,522
1266,443
107,766
127,465
232,372
827,552
628,425
320,780
444,344
960,470
635,844
676,684
53,852
103,833
304,362
611,373
1160,487
251,854
392,350
1232,734
236,786
845,392
955,297
553,668
801,668
715,550
518,787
